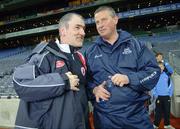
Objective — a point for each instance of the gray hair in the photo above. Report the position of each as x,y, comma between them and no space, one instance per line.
63,22
106,8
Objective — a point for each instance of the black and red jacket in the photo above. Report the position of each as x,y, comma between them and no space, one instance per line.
46,99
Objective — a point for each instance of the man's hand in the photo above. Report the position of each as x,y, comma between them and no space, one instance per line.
120,79
101,92
73,80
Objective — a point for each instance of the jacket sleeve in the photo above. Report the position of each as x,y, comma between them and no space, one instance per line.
168,68
34,83
147,73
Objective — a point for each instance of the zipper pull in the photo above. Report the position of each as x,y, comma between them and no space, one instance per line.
73,57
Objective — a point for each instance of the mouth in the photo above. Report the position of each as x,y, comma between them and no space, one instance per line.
80,38
101,30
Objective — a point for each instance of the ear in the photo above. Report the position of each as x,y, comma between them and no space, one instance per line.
116,18
62,31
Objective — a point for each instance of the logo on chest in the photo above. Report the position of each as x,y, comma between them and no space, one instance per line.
59,64
97,56
127,51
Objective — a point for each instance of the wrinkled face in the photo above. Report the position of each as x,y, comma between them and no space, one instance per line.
74,34
105,23
159,58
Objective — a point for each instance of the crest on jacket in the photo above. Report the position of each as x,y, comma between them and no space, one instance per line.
59,64
83,71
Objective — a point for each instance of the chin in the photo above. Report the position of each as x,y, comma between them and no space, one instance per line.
102,34
79,45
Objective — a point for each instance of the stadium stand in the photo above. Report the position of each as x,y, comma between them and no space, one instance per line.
7,65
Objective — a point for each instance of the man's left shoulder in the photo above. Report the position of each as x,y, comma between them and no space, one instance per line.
136,44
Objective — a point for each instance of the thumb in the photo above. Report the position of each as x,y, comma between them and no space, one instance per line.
121,84
104,83
97,99
68,73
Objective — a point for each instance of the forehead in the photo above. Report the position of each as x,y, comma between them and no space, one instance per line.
159,55
102,14
76,21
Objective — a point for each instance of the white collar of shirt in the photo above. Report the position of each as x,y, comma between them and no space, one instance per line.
63,47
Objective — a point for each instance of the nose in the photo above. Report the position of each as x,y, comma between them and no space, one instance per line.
82,32
100,25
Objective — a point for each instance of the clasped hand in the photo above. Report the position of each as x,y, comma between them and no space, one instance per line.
73,80
117,79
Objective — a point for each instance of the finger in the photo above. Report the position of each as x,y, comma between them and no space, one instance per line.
77,80
113,77
69,73
77,84
102,93
75,88
102,90
74,81
105,97
75,76
97,99
116,82
106,92
103,84
117,79
121,84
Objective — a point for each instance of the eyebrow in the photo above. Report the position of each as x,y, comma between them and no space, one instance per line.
80,25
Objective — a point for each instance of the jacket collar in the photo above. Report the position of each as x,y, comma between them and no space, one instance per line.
106,47
66,48
123,36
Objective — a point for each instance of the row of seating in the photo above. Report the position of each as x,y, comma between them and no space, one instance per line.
161,38
7,66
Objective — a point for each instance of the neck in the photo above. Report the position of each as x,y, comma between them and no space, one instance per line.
112,38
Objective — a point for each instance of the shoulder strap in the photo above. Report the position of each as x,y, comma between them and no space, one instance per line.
40,47
59,54
37,50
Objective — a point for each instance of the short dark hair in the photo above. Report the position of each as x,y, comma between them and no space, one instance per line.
106,8
159,54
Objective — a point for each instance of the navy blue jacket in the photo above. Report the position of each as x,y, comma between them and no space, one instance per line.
132,58
46,99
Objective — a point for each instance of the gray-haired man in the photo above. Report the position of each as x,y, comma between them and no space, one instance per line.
51,85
